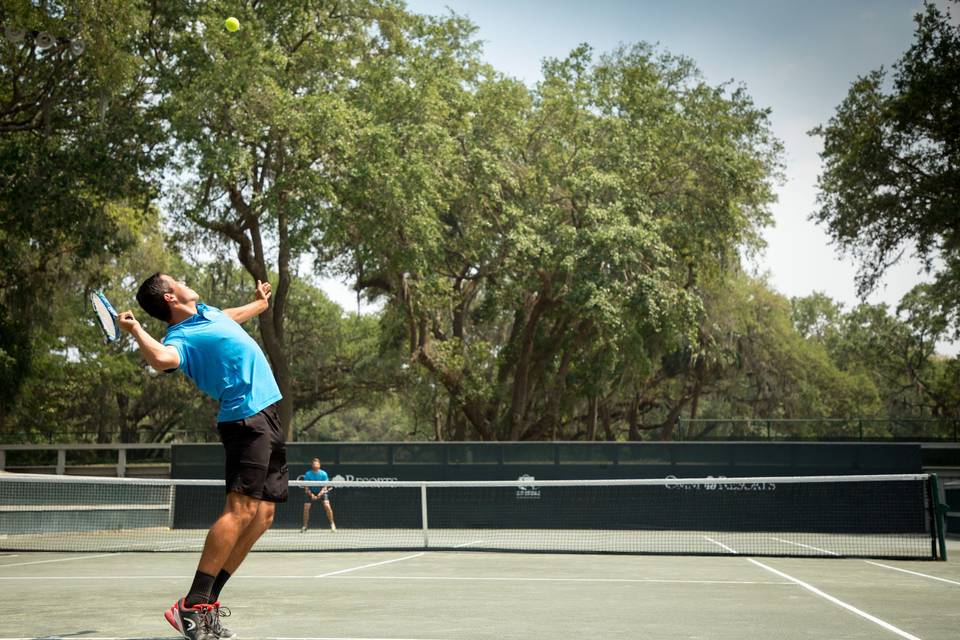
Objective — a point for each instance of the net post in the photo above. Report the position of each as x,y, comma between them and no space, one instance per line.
171,509
423,515
3,459
61,461
121,463
939,512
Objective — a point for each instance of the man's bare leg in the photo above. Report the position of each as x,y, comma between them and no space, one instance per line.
238,514
261,522
329,510
306,515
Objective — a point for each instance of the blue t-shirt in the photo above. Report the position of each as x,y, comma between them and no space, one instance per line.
319,476
225,363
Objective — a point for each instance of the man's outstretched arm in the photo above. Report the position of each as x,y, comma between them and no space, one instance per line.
159,356
255,308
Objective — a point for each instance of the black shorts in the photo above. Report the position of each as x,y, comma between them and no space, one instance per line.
256,456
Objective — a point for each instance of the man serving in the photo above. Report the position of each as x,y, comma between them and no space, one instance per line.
214,351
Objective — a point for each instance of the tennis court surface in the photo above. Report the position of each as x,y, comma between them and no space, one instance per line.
469,595
837,557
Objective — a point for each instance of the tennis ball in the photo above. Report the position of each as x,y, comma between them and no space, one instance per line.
232,24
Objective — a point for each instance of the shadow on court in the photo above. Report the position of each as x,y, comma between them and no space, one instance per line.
468,595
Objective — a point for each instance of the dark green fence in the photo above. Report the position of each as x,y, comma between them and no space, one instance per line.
570,460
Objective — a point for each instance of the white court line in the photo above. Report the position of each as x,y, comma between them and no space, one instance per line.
23,564
439,578
805,546
525,579
837,601
184,577
720,544
367,566
168,638
467,544
377,564
915,573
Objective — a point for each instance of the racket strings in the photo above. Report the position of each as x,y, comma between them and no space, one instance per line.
106,317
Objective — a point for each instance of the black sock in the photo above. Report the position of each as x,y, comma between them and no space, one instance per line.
221,580
200,589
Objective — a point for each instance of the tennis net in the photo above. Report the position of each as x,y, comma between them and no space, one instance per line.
885,516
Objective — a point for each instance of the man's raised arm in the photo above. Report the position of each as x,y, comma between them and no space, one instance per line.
252,309
159,356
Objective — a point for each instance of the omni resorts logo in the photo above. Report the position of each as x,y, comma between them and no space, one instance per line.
719,485
352,478
525,492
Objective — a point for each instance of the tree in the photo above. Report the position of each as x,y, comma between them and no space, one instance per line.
80,389
891,179
76,149
266,122
894,352
535,245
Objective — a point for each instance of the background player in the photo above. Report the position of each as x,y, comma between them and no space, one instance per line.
315,493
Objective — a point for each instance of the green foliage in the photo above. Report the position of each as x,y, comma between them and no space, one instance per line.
891,181
896,353
552,262
76,146
79,388
271,119
526,237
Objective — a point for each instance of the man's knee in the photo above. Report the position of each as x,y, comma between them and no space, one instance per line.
265,514
243,508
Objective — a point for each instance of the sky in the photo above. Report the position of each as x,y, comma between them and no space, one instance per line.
795,57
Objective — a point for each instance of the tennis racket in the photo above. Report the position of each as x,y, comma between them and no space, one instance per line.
106,316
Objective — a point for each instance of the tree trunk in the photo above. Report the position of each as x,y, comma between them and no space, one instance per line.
437,420
456,419
700,371
271,332
592,419
126,430
607,427
669,424
245,233
634,418
521,379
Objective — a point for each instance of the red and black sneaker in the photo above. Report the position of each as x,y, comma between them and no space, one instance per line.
216,627
192,622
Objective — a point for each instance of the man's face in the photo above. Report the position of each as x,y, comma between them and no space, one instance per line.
316,465
179,289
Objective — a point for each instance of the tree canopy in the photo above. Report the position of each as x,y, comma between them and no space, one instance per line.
891,178
557,261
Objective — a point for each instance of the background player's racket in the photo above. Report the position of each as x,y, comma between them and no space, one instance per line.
323,491
106,315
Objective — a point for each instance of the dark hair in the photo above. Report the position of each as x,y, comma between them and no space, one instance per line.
150,297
